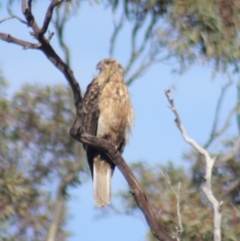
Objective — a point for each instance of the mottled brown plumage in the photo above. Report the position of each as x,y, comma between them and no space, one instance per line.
108,114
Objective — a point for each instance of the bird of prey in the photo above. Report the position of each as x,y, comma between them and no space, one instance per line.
108,114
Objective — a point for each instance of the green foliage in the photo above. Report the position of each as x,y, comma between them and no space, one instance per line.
35,152
191,30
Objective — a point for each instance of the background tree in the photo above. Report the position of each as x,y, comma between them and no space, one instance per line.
191,33
37,158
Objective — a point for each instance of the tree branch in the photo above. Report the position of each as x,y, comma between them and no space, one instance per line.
6,19
27,12
139,195
47,49
179,229
206,188
13,17
49,13
26,45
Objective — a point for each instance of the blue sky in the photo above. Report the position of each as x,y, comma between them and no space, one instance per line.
155,138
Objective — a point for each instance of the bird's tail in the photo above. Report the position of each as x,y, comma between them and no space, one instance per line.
102,173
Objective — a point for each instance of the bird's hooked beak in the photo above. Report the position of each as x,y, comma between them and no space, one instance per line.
100,66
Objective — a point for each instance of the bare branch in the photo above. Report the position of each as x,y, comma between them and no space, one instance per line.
179,231
177,195
13,16
137,192
47,49
27,12
6,19
19,19
49,13
50,36
26,45
206,188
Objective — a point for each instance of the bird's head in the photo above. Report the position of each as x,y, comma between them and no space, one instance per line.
109,65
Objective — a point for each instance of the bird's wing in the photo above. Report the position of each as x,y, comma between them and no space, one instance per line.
91,110
90,117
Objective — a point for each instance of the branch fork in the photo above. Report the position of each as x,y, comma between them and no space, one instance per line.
207,187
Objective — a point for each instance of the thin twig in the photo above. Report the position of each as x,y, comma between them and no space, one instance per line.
206,188
27,12
117,27
179,231
177,195
26,45
47,49
19,19
50,36
49,13
6,19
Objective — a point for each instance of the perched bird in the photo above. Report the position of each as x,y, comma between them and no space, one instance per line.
108,114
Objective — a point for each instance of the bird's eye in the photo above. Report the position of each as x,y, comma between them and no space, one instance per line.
107,62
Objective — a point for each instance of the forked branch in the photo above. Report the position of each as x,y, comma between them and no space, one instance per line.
207,187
